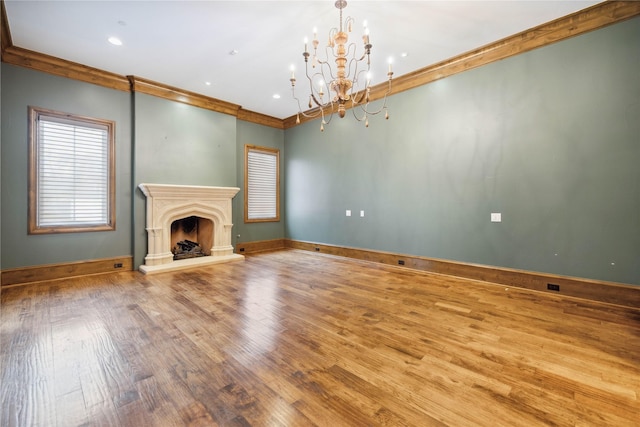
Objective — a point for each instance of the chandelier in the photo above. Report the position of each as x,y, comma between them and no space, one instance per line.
349,85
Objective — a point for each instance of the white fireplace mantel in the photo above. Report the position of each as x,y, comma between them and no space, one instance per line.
168,203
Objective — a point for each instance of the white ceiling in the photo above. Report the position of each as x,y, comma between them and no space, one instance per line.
187,43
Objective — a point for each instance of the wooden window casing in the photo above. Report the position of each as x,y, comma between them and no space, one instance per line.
71,173
261,184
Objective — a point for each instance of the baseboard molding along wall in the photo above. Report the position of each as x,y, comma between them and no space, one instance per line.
39,273
594,290
260,246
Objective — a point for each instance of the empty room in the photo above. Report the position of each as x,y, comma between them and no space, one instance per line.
320,213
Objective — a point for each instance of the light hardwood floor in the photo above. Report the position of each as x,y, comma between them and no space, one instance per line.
292,338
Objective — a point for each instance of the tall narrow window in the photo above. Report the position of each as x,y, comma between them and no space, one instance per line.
261,184
71,173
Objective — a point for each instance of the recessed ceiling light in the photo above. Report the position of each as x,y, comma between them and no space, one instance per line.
233,52
276,96
207,83
404,54
115,41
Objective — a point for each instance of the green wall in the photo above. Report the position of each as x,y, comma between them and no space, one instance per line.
175,143
254,134
21,88
549,138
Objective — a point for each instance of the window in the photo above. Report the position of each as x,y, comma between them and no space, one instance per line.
261,184
71,173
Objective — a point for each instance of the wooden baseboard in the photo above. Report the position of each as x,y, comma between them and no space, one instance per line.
594,290
24,275
260,246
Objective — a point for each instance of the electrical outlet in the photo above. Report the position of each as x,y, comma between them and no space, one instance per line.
552,287
117,265
400,262
317,249
241,249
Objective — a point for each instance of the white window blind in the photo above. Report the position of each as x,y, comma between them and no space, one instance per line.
72,172
262,185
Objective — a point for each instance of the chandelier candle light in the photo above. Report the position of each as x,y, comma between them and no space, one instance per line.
349,88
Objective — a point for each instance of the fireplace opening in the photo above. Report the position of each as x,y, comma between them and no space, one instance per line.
191,237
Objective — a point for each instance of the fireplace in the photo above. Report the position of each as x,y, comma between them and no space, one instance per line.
185,216
191,237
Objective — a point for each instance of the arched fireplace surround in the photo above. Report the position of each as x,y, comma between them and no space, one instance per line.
168,203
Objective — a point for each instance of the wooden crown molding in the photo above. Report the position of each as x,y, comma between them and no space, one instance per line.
593,18
259,118
140,85
5,33
61,67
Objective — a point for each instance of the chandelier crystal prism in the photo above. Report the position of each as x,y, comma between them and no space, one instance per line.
348,85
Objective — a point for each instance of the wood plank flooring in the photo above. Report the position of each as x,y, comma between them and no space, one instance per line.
292,338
